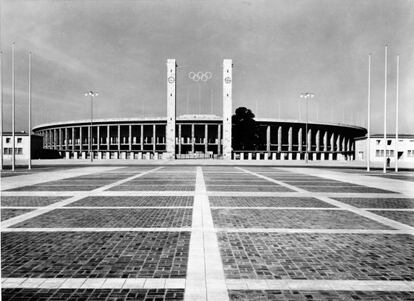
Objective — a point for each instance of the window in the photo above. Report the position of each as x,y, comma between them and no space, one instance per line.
389,142
19,151
8,140
378,142
19,140
7,151
377,153
410,153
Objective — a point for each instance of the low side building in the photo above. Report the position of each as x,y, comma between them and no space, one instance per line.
378,144
21,146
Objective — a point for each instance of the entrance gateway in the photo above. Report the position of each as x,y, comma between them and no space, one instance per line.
171,108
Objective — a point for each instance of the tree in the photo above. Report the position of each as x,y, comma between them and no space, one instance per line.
245,130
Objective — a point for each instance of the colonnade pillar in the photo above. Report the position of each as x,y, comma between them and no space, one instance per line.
279,139
268,139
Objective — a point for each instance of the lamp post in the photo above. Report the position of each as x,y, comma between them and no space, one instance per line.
91,94
306,96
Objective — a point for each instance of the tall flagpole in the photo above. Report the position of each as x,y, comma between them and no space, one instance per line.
396,115
30,111
1,110
385,111
368,146
13,113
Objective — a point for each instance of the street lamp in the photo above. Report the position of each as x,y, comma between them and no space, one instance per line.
92,94
306,96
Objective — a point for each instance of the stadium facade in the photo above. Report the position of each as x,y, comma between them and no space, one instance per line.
195,136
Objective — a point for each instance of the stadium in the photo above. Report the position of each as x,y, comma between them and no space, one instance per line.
197,136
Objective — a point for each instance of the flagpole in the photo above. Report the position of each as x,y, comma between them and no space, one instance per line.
13,113
396,115
385,111
30,111
368,146
1,110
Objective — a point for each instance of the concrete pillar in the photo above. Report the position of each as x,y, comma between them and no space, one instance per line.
80,139
73,139
130,137
219,139
309,140
142,137
123,155
325,141
131,155
98,138
318,141
227,107
83,155
206,138
155,156
290,143
67,155
119,138
330,157
75,155
66,139
314,156
348,145
108,137
257,156
338,143
332,142
249,156
89,139
99,155
192,138
279,139
107,155
154,137
300,140
148,156
343,145
273,156
179,139
266,156
282,156
60,138
268,139
171,108
298,156
322,156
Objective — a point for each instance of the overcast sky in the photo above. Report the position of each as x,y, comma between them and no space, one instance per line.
279,50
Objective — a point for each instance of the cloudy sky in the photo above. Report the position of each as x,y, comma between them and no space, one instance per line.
279,50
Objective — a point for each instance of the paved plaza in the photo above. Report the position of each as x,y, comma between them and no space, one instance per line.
213,233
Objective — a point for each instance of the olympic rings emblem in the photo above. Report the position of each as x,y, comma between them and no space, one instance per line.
203,76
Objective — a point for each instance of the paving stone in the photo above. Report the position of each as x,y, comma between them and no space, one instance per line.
55,188
222,201
290,218
95,254
275,295
135,201
349,189
93,294
110,218
9,213
405,217
386,203
317,256
255,188
30,201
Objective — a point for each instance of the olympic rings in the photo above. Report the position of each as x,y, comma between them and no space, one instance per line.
200,76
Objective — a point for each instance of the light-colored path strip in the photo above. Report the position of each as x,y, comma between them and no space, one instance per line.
205,275
105,207
41,177
320,196
97,283
42,210
323,285
98,193
321,231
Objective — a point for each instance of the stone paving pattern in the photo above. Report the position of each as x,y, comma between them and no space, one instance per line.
10,213
291,218
387,203
221,201
405,217
95,254
30,201
135,201
110,218
317,256
276,295
93,294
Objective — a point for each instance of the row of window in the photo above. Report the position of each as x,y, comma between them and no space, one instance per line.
8,140
8,150
380,153
410,153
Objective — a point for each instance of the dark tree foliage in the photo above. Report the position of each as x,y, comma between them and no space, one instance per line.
245,130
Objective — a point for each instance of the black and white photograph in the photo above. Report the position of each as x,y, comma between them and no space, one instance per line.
207,150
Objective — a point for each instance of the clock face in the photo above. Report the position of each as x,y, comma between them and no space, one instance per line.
171,79
227,80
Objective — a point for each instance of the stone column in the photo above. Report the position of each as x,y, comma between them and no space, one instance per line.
206,138
279,139
80,139
171,110
338,143
227,108
60,138
192,138
90,141
108,138
268,139
142,137
219,139
119,138
332,142
73,139
309,140
130,137
300,140
154,138
66,139
318,141
179,138
290,143
325,141
98,138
